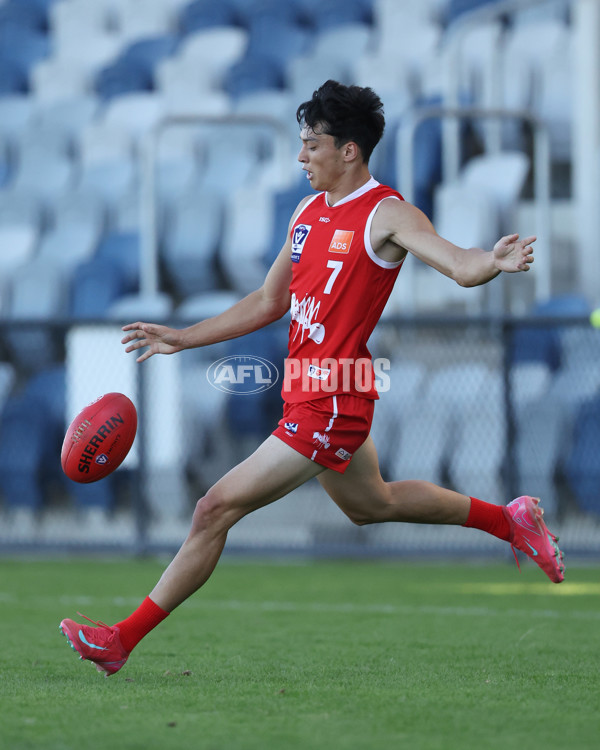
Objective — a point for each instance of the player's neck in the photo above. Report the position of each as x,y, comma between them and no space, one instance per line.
348,184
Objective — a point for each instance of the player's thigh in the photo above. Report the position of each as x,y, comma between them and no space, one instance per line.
360,491
273,470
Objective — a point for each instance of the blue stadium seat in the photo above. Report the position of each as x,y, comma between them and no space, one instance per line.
583,467
13,80
272,10
324,14
276,40
24,451
203,14
148,52
22,46
257,73
32,14
100,495
123,77
49,386
457,8
122,249
38,292
190,244
543,343
95,285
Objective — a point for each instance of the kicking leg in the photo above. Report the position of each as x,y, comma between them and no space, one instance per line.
365,497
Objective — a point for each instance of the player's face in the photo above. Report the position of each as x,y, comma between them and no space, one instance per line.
320,159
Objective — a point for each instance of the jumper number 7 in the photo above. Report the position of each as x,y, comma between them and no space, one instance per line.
337,267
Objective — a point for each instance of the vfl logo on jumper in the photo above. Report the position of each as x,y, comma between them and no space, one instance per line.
341,241
298,239
101,459
242,375
318,373
291,427
344,455
318,437
304,313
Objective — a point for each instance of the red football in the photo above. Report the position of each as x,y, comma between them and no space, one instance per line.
99,438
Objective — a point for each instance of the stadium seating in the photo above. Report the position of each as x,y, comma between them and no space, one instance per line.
276,40
203,14
143,19
16,113
122,249
13,80
31,14
38,292
242,252
271,10
256,73
582,466
7,381
190,243
95,285
155,307
82,81
122,77
21,47
24,452
409,377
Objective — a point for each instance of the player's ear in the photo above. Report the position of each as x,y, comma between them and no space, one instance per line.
350,151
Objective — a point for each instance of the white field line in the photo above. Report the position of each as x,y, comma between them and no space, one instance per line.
345,608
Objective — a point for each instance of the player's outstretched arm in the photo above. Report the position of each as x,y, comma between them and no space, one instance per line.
409,230
257,310
254,311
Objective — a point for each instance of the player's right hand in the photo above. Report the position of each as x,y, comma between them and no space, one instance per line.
159,339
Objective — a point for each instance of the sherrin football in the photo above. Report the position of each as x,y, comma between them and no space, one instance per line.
99,438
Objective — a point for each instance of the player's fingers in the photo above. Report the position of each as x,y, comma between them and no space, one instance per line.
132,326
529,240
143,357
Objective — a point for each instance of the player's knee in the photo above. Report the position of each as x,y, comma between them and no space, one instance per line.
360,516
212,511
375,510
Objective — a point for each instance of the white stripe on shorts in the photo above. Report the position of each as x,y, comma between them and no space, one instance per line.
330,425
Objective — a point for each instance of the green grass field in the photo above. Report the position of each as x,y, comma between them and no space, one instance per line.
317,655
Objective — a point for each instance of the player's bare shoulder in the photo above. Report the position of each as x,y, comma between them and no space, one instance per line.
395,225
391,214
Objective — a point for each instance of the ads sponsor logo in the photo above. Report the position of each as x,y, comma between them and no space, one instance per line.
242,375
341,241
291,427
298,239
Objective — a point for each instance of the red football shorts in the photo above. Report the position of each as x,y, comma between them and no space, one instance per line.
327,430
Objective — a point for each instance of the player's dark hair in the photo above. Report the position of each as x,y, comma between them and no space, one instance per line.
348,113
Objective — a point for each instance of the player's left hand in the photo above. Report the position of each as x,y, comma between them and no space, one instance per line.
512,254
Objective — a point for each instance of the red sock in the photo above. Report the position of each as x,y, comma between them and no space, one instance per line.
488,517
145,618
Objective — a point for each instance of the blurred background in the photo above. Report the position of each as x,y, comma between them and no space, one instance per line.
148,171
